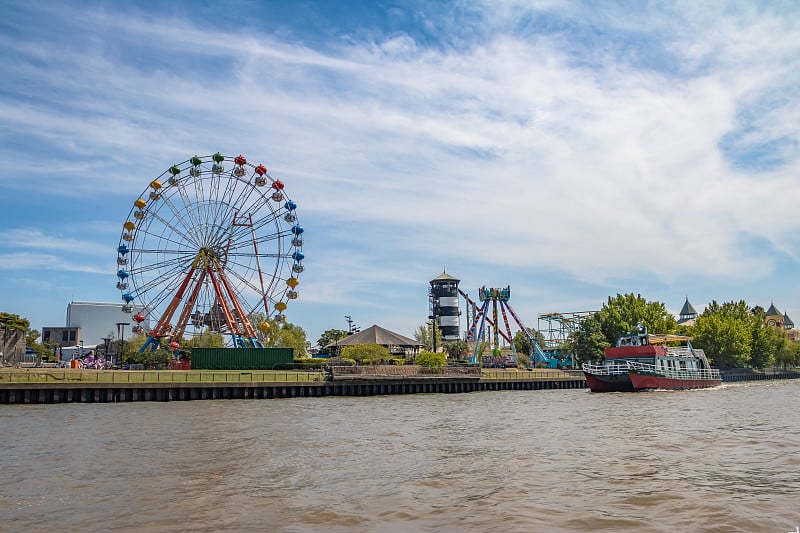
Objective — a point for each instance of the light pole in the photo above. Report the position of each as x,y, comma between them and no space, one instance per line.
351,327
109,360
121,334
4,320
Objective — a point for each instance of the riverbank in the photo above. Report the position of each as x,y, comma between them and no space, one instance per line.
37,386
75,386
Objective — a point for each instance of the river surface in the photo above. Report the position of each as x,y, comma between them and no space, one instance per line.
726,459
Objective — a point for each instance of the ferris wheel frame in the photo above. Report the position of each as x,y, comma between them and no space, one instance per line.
206,245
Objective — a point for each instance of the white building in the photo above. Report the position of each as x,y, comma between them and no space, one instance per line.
98,320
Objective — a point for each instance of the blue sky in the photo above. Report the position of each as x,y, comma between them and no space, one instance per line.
572,150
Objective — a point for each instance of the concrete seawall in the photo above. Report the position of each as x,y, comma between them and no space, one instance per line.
733,377
87,392
44,393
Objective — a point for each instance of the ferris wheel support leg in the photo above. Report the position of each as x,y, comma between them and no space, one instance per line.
226,311
150,340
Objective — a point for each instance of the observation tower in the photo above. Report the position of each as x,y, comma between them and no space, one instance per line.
444,306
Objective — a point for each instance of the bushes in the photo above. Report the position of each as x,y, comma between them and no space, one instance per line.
366,354
431,359
309,363
306,363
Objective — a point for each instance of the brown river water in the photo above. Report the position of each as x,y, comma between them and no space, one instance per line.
726,459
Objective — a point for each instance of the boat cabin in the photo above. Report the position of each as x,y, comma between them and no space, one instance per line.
634,346
652,349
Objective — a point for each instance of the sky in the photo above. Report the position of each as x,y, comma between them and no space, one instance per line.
570,150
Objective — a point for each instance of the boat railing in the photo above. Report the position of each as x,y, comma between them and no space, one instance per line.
684,373
685,351
679,351
609,369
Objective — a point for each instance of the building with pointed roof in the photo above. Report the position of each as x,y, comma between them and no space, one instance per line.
773,317
394,342
444,276
688,314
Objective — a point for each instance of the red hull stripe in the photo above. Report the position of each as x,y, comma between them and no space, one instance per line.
644,381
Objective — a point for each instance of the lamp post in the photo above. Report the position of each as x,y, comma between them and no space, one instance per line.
351,327
121,334
434,325
4,320
108,359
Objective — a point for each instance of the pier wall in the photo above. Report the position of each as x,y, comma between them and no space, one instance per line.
44,393
87,392
735,377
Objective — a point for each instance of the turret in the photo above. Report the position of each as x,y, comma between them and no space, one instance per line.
444,306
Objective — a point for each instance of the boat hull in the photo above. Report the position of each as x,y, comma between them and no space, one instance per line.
608,382
642,381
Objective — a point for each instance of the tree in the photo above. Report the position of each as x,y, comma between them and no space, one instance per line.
287,335
431,359
456,349
16,322
32,341
423,336
206,339
522,343
366,353
130,345
725,333
766,341
149,358
330,336
623,313
588,343
788,353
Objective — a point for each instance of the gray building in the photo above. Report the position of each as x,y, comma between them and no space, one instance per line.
88,323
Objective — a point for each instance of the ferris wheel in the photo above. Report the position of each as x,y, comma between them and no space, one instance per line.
209,244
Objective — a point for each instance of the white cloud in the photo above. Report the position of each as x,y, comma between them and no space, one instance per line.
548,151
45,262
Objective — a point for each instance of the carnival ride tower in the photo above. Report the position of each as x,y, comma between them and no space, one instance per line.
444,309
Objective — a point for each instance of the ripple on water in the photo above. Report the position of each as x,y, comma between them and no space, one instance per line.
721,460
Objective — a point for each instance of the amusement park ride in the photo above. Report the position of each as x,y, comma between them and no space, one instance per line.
211,244
497,300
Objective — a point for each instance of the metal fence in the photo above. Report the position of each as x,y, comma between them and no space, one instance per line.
37,375
536,374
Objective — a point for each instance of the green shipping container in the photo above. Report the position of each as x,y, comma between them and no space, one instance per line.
240,358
